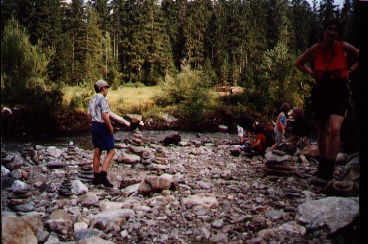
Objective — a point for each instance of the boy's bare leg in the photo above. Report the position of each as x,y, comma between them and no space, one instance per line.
108,159
96,160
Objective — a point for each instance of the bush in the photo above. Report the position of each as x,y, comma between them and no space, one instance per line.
188,91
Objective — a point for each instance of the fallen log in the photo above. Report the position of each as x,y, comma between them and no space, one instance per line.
118,119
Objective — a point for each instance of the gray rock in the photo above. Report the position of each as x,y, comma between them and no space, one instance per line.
274,214
78,187
335,213
4,171
27,207
218,223
87,233
219,238
43,236
270,157
20,186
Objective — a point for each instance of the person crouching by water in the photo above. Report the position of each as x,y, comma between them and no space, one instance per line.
253,148
330,94
102,133
248,124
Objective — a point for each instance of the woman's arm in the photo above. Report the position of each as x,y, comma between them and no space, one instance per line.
304,58
351,50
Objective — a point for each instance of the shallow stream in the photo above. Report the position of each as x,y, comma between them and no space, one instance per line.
83,140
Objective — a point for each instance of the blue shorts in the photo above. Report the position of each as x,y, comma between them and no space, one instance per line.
101,137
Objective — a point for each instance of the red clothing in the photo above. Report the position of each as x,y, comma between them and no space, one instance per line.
333,61
260,149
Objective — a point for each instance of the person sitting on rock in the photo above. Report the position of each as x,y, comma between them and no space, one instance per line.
300,134
253,148
281,123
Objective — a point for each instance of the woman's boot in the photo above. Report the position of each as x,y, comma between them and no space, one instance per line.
330,168
325,168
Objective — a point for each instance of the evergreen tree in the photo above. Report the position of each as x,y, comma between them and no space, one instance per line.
23,65
194,30
75,27
327,10
96,48
302,17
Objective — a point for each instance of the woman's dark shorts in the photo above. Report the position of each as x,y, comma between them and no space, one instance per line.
330,96
101,137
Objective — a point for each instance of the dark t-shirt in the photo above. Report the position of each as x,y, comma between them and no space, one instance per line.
245,122
301,128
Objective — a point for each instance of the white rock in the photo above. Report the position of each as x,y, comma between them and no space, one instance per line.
78,187
80,226
205,199
4,171
20,186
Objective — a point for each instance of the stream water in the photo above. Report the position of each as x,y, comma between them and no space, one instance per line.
83,140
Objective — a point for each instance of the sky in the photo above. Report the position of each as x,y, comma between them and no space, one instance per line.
337,2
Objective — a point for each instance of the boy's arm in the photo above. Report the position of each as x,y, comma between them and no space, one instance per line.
105,117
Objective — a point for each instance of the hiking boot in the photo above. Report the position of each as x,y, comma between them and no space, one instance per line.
104,180
325,169
96,179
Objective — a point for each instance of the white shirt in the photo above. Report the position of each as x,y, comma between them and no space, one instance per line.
97,106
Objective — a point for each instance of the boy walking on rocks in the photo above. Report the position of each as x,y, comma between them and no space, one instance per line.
102,133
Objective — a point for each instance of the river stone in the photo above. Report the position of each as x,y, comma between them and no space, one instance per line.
335,213
54,151
80,226
218,223
128,158
43,236
78,187
223,128
86,233
16,230
94,240
111,220
20,186
61,226
27,207
293,227
270,157
4,171
274,214
207,200
35,221
106,205
7,182
219,238
132,188
89,199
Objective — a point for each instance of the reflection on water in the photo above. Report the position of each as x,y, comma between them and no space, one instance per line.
83,140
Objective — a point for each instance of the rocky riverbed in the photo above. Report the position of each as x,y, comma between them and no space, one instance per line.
193,191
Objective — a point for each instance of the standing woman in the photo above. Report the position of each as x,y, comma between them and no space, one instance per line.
102,133
330,94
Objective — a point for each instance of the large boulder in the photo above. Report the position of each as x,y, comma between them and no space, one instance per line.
17,230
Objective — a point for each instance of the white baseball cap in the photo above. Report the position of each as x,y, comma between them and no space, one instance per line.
101,83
